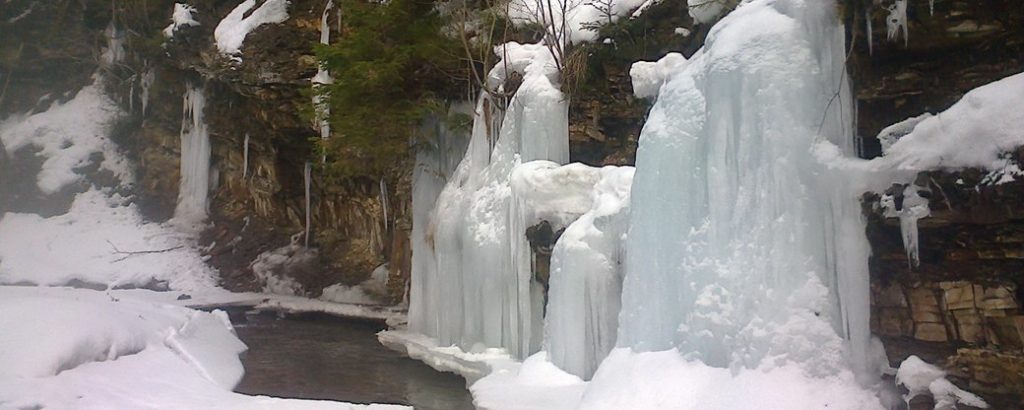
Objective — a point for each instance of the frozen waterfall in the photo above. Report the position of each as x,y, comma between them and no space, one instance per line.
195,159
743,249
477,291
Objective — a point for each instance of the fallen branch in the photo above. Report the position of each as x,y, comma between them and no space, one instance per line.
128,254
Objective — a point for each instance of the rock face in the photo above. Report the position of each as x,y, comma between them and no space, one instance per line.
261,97
962,307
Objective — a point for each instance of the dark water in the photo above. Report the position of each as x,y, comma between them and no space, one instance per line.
321,357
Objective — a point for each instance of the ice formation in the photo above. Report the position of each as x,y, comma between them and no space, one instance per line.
648,77
321,100
195,159
272,268
912,208
919,378
741,245
114,53
582,318
232,30
476,292
896,21
436,160
307,180
148,77
705,11
245,156
181,17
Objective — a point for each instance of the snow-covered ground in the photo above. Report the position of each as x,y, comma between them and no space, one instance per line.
111,346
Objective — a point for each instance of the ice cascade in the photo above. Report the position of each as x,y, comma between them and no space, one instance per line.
478,291
195,159
586,277
741,245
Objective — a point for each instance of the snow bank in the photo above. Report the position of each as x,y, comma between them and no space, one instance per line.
89,244
181,17
974,132
231,31
73,348
664,380
67,136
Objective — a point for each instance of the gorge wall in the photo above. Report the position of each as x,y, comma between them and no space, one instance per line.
961,308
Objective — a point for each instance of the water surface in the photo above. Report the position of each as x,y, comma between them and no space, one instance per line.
322,357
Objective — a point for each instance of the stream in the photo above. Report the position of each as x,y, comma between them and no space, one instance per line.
316,356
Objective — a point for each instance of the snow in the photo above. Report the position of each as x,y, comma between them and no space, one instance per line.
181,17
67,136
82,245
232,30
664,380
91,243
889,135
76,348
648,77
368,292
974,132
577,17
919,378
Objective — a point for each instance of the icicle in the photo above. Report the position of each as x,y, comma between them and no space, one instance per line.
914,207
384,201
897,21
195,158
131,93
871,38
147,82
245,157
321,101
306,176
115,46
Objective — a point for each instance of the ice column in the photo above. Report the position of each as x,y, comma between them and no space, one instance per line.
586,278
741,245
321,99
913,208
307,181
195,158
436,160
481,295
